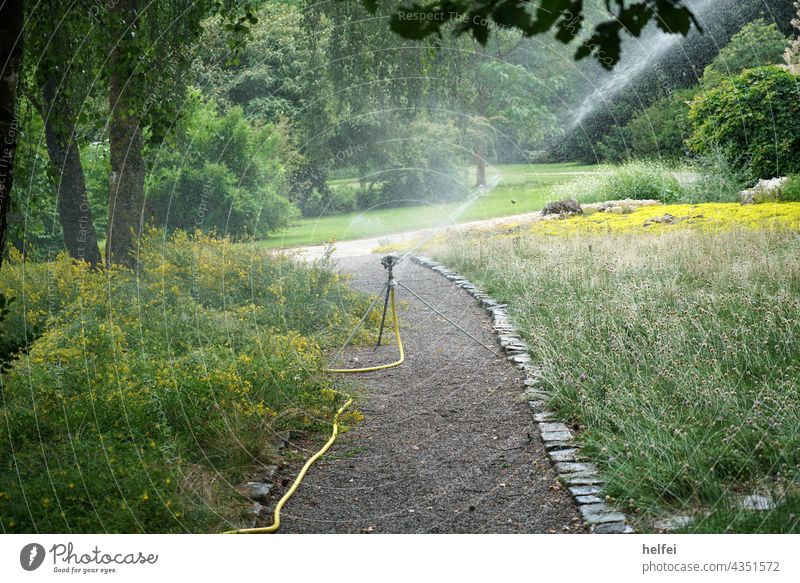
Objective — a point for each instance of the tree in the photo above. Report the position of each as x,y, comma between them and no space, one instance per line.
58,89
513,99
758,43
754,119
11,17
148,67
480,17
792,54
659,131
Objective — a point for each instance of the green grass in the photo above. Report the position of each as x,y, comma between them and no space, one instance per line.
529,186
673,354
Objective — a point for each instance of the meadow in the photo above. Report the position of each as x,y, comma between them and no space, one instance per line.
521,188
670,348
139,402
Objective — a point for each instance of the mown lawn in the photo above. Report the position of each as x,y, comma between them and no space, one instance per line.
672,349
522,188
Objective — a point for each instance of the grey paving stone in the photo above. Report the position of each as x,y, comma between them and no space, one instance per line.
268,474
562,455
590,499
256,491
757,502
549,427
575,467
584,490
612,528
600,513
581,479
556,435
559,444
536,405
676,522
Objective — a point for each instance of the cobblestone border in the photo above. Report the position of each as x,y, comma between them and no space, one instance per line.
582,478
260,491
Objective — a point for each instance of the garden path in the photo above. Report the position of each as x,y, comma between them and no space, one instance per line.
446,445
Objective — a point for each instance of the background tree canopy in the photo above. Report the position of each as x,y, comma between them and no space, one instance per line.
320,111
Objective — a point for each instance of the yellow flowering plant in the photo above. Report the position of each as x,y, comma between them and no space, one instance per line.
143,398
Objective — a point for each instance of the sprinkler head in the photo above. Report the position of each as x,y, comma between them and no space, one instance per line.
390,261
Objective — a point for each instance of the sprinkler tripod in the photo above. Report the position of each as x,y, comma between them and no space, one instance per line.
389,262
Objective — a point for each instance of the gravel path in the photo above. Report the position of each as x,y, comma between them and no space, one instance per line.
444,445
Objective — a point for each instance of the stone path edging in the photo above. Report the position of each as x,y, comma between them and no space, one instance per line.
582,478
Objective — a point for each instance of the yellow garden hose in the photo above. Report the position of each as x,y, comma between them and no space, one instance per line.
276,522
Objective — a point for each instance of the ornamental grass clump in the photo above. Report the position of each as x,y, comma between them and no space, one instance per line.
674,355
638,180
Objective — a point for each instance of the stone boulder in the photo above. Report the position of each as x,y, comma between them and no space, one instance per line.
563,207
765,191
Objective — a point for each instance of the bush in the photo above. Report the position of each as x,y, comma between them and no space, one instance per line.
422,164
791,190
334,200
157,393
635,180
758,43
660,131
220,174
754,120
713,179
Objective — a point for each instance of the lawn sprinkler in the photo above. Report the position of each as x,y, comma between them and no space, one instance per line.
388,262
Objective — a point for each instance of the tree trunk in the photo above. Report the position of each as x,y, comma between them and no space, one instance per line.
479,151
73,205
11,63
480,165
126,185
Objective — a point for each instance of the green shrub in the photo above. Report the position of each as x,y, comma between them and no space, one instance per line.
791,190
658,132
7,348
635,180
758,43
157,393
754,119
713,178
218,173
335,200
422,164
